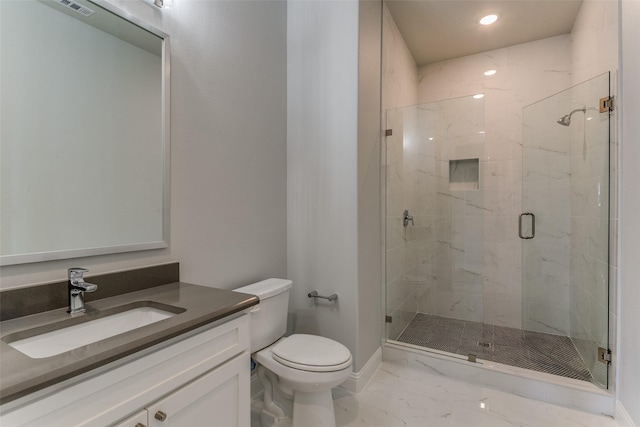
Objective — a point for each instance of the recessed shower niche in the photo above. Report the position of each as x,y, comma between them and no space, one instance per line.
464,174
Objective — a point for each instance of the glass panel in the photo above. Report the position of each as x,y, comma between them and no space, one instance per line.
565,267
434,162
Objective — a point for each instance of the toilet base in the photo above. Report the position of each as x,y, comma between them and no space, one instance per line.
309,409
269,420
313,409
311,392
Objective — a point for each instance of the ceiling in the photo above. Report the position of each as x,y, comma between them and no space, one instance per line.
437,30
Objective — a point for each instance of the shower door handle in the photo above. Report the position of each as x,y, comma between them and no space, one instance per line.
533,225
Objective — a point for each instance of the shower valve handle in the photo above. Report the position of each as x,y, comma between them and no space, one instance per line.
406,218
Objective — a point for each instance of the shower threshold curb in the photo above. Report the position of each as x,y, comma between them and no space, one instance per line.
566,392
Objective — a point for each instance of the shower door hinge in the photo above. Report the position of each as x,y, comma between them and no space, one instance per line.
387,319
606,104
604,355
388,132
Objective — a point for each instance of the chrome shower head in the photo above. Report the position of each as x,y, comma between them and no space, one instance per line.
566,120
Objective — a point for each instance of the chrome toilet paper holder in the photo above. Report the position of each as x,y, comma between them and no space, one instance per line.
314,294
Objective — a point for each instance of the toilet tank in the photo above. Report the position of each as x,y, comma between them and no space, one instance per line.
269,318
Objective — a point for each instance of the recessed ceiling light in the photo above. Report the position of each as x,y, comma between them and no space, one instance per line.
489,19
478,96
490,72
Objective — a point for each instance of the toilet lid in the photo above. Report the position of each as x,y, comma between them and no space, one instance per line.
312,353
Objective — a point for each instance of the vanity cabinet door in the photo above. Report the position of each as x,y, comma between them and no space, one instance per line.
217,398
137,420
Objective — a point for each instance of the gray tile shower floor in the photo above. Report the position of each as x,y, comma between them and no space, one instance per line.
537,351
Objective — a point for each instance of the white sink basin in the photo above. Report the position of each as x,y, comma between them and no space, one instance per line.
71,337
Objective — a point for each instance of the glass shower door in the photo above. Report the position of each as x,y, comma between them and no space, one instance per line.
434,222
564,226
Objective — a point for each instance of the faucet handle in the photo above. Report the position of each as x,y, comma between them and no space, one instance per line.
406,218
76,272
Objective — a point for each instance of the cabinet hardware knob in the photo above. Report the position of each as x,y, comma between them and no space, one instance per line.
160,416
140,425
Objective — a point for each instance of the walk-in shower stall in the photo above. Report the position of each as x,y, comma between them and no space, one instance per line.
514,271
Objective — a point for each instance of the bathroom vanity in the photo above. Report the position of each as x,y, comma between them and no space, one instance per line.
189,368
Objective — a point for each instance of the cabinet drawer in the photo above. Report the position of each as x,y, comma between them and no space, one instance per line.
139,419
220,397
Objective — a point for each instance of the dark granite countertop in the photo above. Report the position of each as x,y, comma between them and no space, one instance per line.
21,375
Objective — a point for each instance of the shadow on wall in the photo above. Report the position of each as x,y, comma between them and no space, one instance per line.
306,321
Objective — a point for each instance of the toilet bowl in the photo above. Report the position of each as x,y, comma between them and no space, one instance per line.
302,367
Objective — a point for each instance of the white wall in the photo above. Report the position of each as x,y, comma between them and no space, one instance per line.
370,248
333,235
595,39
629,284
228,146
399,70
322,90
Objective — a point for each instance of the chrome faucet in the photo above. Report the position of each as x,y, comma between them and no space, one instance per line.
77,288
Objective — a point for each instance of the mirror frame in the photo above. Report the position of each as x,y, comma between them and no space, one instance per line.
165,140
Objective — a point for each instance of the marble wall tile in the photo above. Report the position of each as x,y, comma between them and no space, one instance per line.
401,317
546,169
498,175
397,292
545,263
595,40
501,228
394,232
427,302
589,329
499,282
546,317
467,279
503,310
429,227
395,262
459,305
484,241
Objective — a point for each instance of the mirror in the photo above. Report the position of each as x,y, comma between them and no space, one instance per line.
84,147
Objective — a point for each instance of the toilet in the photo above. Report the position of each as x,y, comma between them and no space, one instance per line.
300,367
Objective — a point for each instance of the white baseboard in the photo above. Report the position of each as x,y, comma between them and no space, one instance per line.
358,380
623,419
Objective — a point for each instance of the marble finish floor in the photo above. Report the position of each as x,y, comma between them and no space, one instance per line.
398,396
537,351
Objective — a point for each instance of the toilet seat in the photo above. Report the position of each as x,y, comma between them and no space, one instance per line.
311,353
